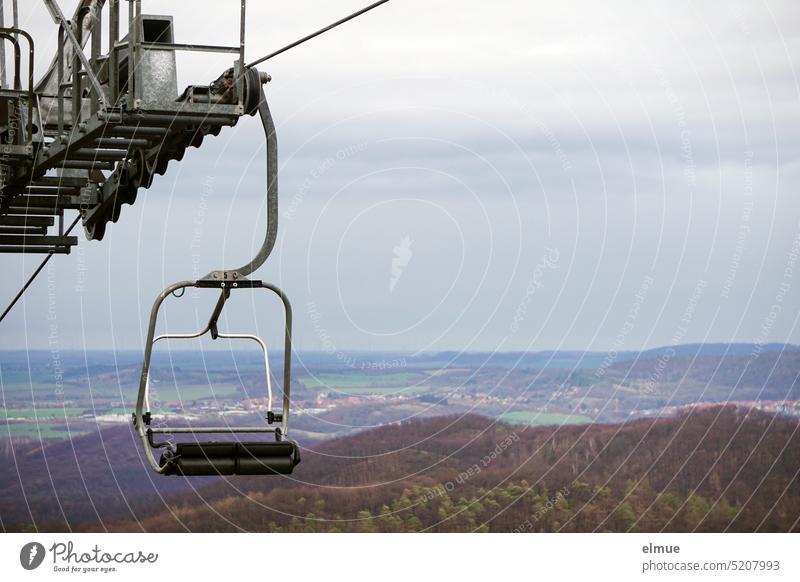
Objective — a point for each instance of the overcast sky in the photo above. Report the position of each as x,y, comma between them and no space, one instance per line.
470,176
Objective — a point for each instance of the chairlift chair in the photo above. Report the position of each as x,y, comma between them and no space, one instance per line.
227,457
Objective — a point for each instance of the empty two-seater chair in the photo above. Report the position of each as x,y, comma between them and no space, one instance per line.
229,455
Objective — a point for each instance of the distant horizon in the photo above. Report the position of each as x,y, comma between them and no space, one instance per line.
771,345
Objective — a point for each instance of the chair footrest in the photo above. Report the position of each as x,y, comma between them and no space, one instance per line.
232,458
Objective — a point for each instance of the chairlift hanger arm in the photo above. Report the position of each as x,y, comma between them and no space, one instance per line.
254,82
272,180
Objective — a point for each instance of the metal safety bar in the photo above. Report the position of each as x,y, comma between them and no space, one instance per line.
11,35
213,430
216,335
15,24
142,415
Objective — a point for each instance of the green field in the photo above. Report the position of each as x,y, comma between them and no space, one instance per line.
534,418
26,377
44,430
48,423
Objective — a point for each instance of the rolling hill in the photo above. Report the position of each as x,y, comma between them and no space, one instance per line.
723,469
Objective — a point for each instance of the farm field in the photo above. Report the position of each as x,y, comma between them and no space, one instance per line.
535,418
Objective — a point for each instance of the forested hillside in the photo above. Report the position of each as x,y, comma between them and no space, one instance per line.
711,470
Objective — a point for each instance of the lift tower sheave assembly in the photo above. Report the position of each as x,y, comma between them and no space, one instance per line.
92,131
97,127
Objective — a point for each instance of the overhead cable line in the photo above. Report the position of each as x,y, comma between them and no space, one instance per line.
317,33
35,273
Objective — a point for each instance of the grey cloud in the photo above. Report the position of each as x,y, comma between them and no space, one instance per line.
579,106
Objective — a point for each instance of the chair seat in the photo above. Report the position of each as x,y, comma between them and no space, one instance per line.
232,458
